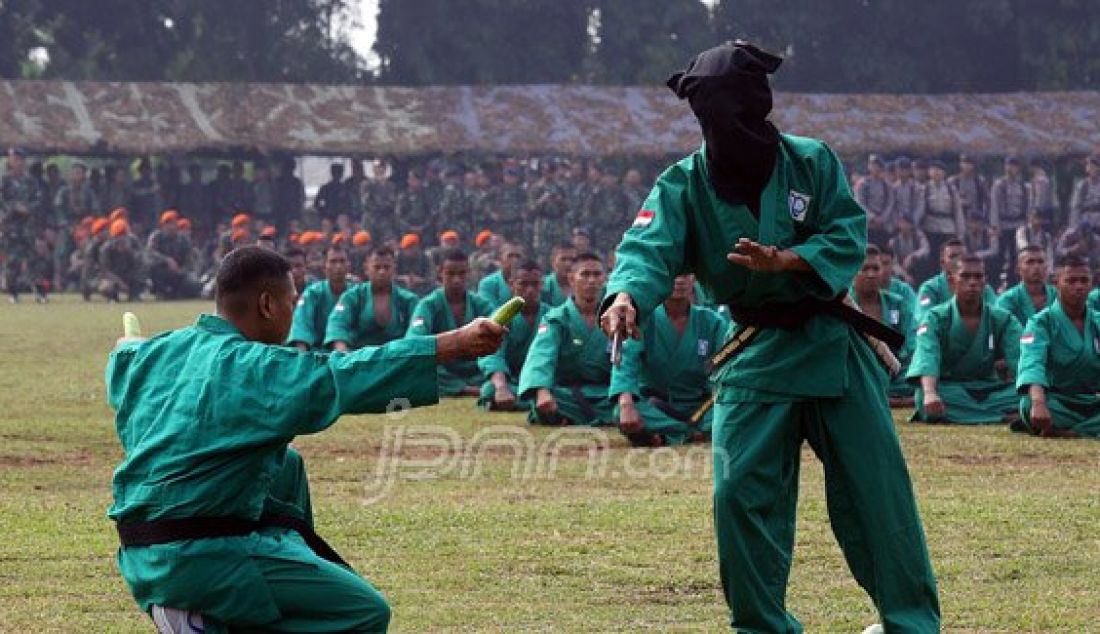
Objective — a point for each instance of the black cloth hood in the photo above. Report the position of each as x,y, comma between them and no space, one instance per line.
728,90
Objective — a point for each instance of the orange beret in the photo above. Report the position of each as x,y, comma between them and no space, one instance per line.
337,238
240,220
309,237
185,223
449,234
409,239
294,237
238,235
169,216
118,213
483,237
361,238
99,224
269,232
119,227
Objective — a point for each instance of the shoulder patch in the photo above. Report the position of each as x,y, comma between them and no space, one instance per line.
340,308
644,217
799,204
1027,338
543,328
419,321
922,329
925,300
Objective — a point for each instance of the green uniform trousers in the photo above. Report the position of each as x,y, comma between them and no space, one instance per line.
589,407
1079,413
870,501
311,593
971,402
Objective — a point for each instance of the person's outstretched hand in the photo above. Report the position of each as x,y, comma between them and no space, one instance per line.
621,317
478,338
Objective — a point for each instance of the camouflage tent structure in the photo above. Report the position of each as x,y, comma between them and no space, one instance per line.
90,118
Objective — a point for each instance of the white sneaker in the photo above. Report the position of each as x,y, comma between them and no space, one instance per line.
874,629
173,621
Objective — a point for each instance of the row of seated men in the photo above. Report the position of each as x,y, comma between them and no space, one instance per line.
962,360
554,363
1029,357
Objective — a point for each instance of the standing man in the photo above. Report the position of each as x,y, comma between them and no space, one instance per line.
1033,293
290,195
876,196
721,213
971,188
374,312
943,218
413,213
332,199
317,302
1084,206
1060,361
908,195
1009,205
210,503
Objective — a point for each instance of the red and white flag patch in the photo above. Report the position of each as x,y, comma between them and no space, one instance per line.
1027,338
644,217
923,329
543,328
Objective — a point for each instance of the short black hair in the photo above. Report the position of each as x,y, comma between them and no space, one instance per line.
588,256
526,265
1031,248
245,272
967,258
1074,261
953,242
564,246
381,251
887,250
872,251
294,252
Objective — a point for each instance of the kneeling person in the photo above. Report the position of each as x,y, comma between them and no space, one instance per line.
503,367
1060,361
662,379
318,301
447,308
892,309
961,347
211,506
567,369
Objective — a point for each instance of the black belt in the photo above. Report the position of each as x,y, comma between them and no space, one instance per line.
176,529
792,315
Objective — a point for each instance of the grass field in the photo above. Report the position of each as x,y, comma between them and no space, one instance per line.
1013,522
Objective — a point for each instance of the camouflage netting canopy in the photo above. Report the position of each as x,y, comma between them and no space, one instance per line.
88,118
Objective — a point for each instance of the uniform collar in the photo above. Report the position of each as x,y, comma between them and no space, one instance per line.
217,325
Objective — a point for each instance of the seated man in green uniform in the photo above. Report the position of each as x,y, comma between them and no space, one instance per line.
211,507
448,307
503,367
963,346
374,312
892,310
567,370
1033,293
494,287
1060,360
662,379
555,286
316,303
937,290
892,282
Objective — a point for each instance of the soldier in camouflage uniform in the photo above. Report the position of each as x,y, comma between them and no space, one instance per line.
20,219
413,211
475,191
635,189
606,213
41,270
455,213
89,269
379,201
75,198
168,255
507,205
549,212
120,264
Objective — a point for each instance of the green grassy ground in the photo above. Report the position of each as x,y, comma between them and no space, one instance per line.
1012,521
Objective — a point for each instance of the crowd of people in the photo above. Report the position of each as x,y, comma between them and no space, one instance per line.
373,262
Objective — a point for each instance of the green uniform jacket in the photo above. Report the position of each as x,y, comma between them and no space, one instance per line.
1094,299
510,356
806,207
670,365
902,288
897,312
433,315
552,294
565,351
1017,301
311,315
494,289
946,349
1054,354
352,319
935,291
204,417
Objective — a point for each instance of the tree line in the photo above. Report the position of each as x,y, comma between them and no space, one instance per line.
859,46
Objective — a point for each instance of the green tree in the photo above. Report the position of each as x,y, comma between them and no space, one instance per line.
643,42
